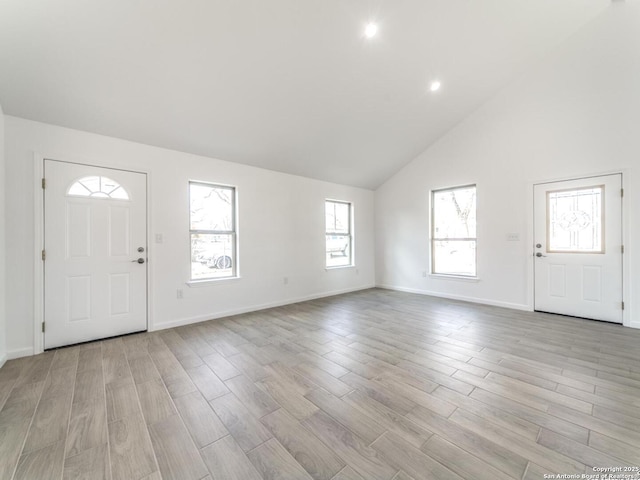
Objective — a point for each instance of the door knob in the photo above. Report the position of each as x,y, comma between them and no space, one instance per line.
540,255
140,261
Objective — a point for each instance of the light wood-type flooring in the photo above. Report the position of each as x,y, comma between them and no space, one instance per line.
373,385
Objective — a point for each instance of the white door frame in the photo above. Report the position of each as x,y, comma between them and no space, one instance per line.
626,293
38,214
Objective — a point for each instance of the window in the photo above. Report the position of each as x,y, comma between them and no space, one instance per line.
97,187
339,249
574,219
453,231
213,231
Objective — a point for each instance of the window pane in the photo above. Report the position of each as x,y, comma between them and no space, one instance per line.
337,217
454,257
79,189
211,207
108,186
97,187
212,256
338,250
91,183
119,193
575,220
454,213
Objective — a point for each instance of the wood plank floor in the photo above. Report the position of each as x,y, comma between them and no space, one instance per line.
369,385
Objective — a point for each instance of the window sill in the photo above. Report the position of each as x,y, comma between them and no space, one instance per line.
211,281
462,278
339,267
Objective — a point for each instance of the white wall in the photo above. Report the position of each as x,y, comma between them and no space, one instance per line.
3,318
578,113
281,229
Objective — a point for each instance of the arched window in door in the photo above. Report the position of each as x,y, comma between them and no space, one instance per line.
98,187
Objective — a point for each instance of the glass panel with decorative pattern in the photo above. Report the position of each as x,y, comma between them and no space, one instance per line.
98,187
574,220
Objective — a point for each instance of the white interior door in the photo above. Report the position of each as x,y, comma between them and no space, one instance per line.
578,247
95,280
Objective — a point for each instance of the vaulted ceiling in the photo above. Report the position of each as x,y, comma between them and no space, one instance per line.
289,85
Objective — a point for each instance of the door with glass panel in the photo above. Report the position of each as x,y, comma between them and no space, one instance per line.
578,247
95,267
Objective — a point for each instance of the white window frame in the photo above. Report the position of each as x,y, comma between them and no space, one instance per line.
233,232
332,233
435,239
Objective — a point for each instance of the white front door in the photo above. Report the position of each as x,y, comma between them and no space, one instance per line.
95,270
578,247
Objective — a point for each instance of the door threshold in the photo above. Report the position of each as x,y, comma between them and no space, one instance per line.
579,318
94,341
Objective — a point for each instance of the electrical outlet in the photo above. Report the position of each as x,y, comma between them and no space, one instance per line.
424,274
285,280
179,294
159,238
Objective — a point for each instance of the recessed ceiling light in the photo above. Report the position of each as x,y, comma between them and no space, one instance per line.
371,30
435,86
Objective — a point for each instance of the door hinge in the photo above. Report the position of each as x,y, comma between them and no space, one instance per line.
44,183
622,192
42,327
623,305
622,249
44,255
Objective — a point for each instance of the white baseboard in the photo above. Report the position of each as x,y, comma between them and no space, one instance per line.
463,298
21,352
238,311
3,360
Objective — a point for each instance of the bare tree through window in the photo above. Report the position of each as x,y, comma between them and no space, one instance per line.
453,231
213,231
